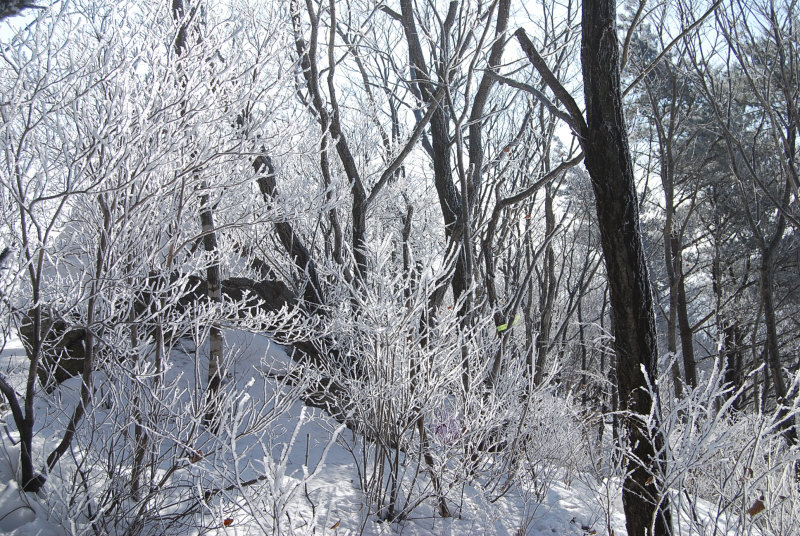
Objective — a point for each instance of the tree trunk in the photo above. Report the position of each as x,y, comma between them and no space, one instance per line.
603,138
731,354
771,351
330,121
313,296
610,167
29,479
672,343
87,388
213,279
670,260
547,291
673,247
424,88
215,338
684,327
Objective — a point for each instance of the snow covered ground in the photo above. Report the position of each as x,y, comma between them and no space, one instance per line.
300,462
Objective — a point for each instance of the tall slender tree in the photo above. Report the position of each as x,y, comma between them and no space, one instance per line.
604,139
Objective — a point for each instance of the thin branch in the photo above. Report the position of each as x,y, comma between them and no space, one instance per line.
391,12
400,158
563,96
671,44
634,23
527,192
13,401
551,107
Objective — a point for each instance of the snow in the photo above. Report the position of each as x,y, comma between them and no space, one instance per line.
307,473
21,514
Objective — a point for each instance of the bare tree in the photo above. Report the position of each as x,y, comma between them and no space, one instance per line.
759,49
672,101
603,137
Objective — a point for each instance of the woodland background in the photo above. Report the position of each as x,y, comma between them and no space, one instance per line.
506,245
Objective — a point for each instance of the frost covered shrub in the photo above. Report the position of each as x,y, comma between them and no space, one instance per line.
729,469
397,383
518,435
728,472
427,420
552,441
172,475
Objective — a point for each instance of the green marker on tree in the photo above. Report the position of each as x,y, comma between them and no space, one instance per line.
502,327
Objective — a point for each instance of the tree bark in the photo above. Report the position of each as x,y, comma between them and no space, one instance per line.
610,167
547,291
771,351
425,88
89,342
330,122
603,138
684,326
678,320
291,242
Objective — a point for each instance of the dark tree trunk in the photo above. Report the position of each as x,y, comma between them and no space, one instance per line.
678,312
771,350
672,342
684,327
9,8
673,241
215,338
608,161
330,121
732,336
425,88
291,242
24,416
604,141
547,291
30,480
89,342
731,353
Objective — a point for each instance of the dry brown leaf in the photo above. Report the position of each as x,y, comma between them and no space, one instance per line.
757,507
335,525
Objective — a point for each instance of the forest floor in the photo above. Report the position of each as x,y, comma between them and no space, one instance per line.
325,502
